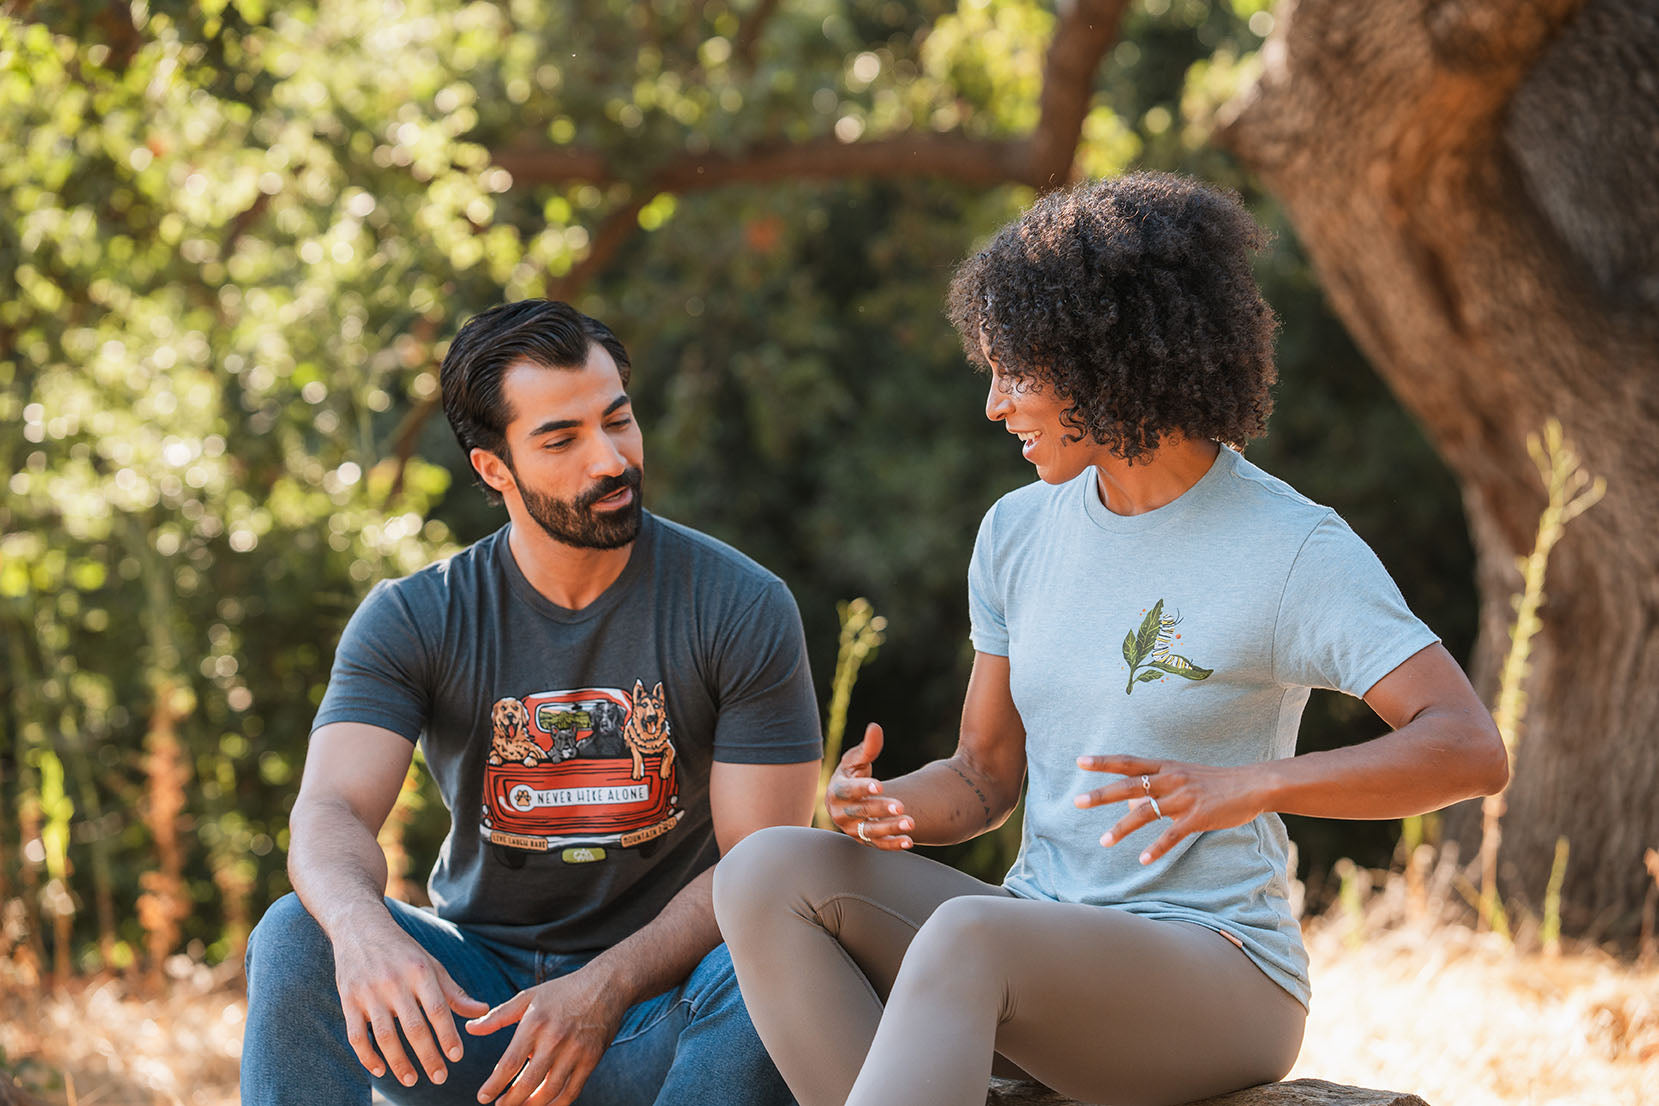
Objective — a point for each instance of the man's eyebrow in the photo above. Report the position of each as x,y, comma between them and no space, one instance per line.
570,424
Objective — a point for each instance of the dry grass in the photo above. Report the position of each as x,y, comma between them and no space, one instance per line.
1402,1002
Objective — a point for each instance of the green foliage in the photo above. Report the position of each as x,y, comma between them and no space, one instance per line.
235,235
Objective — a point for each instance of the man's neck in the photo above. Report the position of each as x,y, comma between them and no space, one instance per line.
565,575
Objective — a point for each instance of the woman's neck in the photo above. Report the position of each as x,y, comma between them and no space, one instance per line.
1176,465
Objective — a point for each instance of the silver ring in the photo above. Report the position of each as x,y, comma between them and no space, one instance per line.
1154,803
862,836
1146,784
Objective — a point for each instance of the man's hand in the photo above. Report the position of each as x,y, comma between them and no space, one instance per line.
855,801
386,980
564,1027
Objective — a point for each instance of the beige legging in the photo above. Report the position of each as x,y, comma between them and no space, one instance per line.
879,978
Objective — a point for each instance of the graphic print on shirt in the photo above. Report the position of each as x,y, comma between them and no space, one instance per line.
580,770
1149,648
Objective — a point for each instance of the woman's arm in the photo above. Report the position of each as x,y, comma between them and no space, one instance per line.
1444,748
950,800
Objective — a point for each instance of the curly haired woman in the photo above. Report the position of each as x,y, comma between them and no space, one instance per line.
1147,620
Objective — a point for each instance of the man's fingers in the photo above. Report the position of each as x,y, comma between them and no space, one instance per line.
518,1051
871,745
458,1000
357,1032
502,1016
435,1005
530,1078
412,1018
384,1027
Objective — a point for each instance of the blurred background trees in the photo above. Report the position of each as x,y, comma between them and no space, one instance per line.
235,236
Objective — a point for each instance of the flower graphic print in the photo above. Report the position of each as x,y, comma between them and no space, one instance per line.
1148,654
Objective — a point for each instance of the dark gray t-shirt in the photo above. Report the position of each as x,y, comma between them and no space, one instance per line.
573,748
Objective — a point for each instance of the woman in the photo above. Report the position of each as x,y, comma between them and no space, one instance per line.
1147,620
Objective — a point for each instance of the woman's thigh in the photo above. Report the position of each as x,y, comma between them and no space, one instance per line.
871,901
1107,1006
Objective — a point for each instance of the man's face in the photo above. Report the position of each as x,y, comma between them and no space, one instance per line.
574,453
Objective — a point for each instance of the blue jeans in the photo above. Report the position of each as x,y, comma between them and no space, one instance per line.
693,1044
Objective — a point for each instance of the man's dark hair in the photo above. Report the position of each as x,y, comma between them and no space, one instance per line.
548,333
1133,299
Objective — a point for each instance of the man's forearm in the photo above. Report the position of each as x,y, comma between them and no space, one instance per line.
335,864
663,952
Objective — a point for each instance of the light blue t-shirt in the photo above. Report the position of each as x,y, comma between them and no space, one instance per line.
1192,632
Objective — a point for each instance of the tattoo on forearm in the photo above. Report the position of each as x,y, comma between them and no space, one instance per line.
983,801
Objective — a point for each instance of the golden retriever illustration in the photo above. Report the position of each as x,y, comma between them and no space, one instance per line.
510,734
646,730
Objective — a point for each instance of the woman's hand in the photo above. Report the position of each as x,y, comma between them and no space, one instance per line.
855,801
1194,797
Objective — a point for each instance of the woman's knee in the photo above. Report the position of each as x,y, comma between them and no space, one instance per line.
967,932
769,869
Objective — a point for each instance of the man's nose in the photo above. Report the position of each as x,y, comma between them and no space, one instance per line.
605,459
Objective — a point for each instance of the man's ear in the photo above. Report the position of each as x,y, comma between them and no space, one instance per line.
492,470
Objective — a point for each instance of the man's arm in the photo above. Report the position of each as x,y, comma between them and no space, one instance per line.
565,1024
353,773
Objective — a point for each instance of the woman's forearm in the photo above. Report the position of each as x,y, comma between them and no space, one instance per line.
953,800
1441,757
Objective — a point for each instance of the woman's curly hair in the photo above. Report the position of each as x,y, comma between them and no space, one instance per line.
1133,298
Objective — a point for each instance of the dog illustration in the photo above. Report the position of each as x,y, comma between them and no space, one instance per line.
510,734
647,729
606,739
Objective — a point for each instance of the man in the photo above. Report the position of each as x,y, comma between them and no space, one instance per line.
607,701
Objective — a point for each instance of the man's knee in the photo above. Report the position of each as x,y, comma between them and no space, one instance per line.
287,948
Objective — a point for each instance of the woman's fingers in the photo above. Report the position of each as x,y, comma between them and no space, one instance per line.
1166,841
1140,814
1123,766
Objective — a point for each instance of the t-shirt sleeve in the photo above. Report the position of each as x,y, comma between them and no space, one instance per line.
768,711
987,623
1343,623
379,669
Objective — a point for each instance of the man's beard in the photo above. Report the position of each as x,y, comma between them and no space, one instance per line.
575,522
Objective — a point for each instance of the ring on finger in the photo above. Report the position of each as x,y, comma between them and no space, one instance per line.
1156,812
1146,784
863,824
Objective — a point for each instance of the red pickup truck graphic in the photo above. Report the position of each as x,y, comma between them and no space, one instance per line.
564,775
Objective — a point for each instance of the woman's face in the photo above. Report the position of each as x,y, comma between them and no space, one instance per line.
1030,409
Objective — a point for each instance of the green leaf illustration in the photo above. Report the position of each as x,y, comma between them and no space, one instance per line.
1181,666
1148,676
1129,649
1147,636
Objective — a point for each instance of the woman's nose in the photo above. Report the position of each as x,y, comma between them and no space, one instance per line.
998,403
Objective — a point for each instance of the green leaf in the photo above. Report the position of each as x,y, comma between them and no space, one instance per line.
1129,649
1148,635
1147,677
1181,666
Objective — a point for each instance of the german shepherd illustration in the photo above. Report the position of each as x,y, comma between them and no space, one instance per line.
647,729
510,734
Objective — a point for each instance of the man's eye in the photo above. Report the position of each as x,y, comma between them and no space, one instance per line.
558,443
620,424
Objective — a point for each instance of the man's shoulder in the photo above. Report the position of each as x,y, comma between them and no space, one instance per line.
709,559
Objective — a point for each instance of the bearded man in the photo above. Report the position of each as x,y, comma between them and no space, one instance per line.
607,701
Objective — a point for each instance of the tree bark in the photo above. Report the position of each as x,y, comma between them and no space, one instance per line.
1477,184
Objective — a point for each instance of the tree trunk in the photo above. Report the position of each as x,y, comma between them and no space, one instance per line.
1477,184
